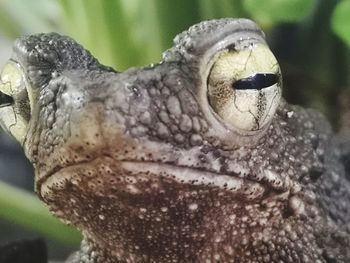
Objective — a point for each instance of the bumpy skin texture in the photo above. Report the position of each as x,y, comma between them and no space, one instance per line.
142,165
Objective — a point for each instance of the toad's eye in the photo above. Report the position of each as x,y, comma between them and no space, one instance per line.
244,87
15,108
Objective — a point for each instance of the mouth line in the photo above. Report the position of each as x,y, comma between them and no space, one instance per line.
179,174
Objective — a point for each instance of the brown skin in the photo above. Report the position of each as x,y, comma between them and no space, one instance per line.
141,164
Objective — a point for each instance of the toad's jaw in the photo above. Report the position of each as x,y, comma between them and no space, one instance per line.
133,201
132,176
186,175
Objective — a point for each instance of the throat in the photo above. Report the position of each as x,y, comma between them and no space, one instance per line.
185,225
135,211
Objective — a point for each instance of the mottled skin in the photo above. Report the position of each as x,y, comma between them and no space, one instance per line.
141,164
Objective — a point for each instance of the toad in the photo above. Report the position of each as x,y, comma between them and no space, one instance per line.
195,159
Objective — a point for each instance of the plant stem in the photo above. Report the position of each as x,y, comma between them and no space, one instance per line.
25,209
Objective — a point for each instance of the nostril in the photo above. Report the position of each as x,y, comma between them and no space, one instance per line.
5,100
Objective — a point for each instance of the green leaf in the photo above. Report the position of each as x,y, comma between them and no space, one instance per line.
21,17
174,17
8,25
210,9
26,210
107,30
341,21
269,12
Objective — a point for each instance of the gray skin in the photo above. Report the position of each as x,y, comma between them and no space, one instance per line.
144,167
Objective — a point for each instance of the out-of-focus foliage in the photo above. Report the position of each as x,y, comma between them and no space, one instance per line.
20,16
341,21
136,32
33,214
270,12
124,33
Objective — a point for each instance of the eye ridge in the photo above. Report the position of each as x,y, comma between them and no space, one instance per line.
257,81
5,100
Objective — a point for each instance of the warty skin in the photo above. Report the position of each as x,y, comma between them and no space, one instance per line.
141,163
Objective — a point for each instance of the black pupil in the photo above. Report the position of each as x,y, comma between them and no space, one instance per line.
5,100
257,81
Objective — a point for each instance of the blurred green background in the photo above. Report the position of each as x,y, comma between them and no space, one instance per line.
310,38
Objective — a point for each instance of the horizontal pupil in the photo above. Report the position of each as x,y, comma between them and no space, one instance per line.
5,100
257,81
